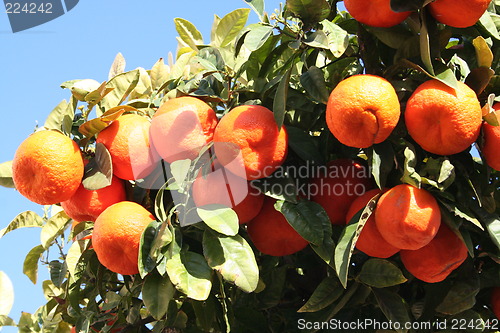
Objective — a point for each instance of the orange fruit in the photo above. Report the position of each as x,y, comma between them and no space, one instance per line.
458,13
407,217
338,186
127,140
492,142
117,235
86,205
441,120
248,142
181,127
47,167
436,260
271,233
495,301
376,13
370,240
222,187
362,110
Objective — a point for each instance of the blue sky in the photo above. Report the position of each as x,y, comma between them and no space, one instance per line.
78,45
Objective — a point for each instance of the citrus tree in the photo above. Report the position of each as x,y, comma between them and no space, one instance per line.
321,169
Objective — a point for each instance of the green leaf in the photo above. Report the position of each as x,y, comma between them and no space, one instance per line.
445,74
381,158
314,83
61,117
425,46
257,36
27,219
54,227
219,218
279,104
257,6
233,258
74,254
461,297
317,39
230,26
410,175
188,33
6,175
348,239
310,11
380,273
157,291
30,265
117,67
486,21
483,52
99,171
304,145
58,272
190,274
305,217
94,126
6,294
122,86
159,74
147,257
327,292
338,38
326,250
180,171
393,306
6,321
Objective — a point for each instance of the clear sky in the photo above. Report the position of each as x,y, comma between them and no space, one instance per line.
78,45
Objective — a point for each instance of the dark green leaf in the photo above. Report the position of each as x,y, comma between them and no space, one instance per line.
381,158
233,258
99,171
147,261
393,306
279,104
157,291
188,33
310,11
26,219
304,145
6,175
30,265
305,217
380,273
328,291
219,218
461,297
314,83
57,272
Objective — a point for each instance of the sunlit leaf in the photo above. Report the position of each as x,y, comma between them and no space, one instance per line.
310,11
61,117
338,38
188,33
233,258
483,52
99,171
94,126
257,6
257,36
230,25
6,175
219,218
30,265
159,74
117,67
26,219
122,86
53,228
75,253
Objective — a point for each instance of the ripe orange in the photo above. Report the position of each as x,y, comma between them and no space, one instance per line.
376,13
87,205
370,240
458,13
117,235
362,110
181,127
407,217
47,167
338,186
272,234
436,260
492,142
441,120
495,302
127,140
248,143
223,187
